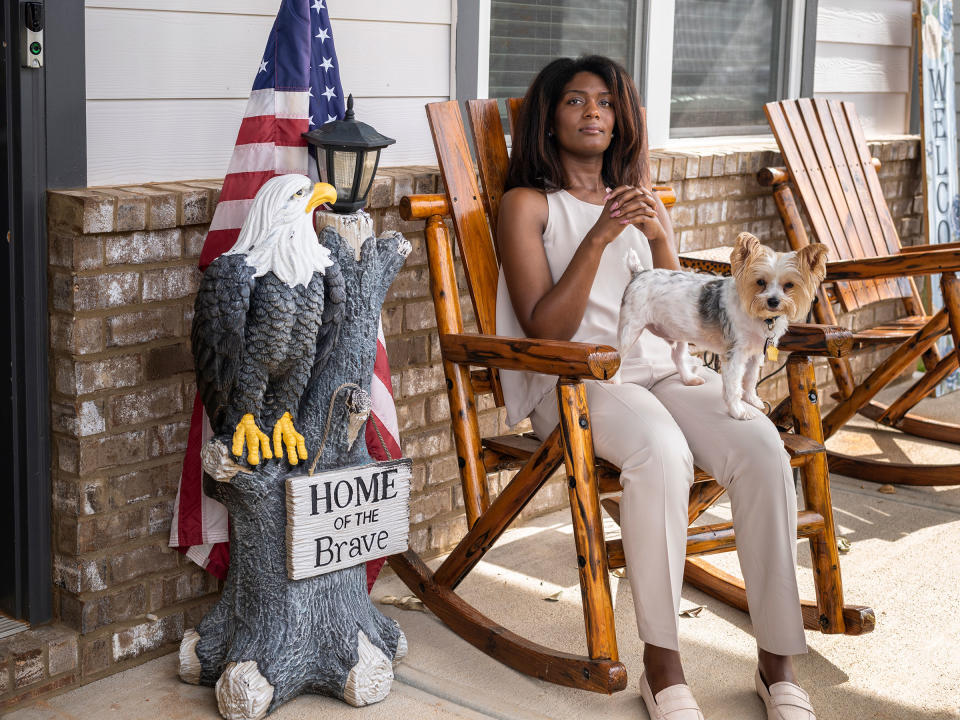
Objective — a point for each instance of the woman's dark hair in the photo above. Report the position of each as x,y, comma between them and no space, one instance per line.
534,161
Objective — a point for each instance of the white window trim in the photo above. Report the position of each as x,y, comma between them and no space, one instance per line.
658,67
470,49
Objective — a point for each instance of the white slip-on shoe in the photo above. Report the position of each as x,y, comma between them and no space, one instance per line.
784,700
672,703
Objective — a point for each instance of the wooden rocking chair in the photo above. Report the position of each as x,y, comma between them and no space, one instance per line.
570,444
829,164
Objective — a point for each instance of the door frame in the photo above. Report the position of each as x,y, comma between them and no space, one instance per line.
42,144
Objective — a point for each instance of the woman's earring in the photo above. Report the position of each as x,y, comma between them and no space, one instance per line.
549,133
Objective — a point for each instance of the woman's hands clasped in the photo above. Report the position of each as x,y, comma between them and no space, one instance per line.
629,205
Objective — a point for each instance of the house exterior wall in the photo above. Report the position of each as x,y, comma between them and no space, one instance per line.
863,55
167,80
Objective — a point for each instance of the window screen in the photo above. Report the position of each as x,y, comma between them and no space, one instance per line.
526,35
725,65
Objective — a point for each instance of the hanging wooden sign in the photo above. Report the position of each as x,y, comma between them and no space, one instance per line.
347,516
934,22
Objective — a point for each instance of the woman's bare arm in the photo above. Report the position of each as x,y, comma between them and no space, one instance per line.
546,309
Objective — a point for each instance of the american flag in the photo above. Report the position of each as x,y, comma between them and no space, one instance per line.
296,88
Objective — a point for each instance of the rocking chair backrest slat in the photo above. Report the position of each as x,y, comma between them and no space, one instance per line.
829,157
807,176
467,208
513,112
492,161
830,165
492,158
872,193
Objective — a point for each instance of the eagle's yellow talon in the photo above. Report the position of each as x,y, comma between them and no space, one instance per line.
247,433
285,434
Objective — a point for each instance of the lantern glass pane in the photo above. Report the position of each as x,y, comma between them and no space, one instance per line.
322,164
366,177
344,166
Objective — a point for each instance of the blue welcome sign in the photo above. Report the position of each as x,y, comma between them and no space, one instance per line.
942,212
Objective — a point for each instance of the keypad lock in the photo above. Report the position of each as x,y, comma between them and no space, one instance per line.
32,33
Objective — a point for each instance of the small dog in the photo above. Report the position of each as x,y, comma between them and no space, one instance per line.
738,317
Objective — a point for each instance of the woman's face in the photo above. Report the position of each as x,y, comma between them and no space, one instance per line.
584,120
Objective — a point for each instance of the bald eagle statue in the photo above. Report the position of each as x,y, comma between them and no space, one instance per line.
257,317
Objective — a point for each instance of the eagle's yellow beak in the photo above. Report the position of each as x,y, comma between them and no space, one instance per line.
322,193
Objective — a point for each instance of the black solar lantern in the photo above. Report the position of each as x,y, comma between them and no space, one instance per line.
348,152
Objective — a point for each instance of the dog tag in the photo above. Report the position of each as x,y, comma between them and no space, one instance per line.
772,353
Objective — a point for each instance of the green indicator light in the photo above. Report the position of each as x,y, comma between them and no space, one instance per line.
35,48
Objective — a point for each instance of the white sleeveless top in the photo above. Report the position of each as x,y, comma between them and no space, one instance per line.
568,222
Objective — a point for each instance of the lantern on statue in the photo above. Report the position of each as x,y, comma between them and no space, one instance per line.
348,152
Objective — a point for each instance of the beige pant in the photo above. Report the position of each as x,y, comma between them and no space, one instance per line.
656,435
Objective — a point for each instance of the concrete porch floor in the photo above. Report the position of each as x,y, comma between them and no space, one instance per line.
902,562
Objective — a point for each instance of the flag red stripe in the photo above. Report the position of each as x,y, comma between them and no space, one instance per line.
267,128
244,185
217,243
190,517
373,569
374,447
219,560
381,367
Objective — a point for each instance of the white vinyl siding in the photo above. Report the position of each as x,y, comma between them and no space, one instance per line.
863,55
167,80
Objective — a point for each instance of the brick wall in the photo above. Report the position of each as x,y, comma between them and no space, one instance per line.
122,278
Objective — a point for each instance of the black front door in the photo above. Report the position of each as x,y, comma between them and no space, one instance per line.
25,581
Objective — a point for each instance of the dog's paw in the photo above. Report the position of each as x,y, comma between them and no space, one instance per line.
693,380
742,411
755,401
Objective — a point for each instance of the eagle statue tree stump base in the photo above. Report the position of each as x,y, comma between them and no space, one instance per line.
269,638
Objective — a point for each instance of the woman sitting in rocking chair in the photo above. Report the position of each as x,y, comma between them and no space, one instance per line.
573,208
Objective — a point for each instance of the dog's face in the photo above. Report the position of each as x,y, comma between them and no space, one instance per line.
771,283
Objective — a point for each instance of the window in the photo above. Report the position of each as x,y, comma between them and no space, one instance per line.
527,34
703,67
727,62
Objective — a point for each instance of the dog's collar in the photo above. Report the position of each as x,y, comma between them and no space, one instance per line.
769,349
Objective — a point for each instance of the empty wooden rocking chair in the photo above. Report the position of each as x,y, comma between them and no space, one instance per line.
829,164
471,362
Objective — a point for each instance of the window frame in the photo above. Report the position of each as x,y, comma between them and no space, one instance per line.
652,66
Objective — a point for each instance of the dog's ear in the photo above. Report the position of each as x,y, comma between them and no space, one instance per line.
813,259
745,245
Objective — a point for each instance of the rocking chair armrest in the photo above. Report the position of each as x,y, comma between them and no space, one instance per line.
917,262
421,207
668,195
550,357
705,265
819,340
772,176
926,247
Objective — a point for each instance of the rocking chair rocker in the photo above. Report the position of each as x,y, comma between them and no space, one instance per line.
829,164
570,444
